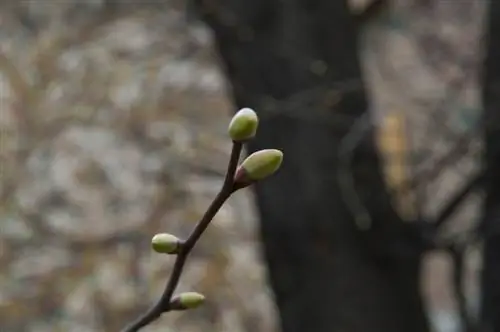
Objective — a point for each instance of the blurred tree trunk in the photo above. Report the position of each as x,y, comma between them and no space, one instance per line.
290,61
491,219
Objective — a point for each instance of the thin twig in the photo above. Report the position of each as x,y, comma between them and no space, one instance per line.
345,176
163,304
457,199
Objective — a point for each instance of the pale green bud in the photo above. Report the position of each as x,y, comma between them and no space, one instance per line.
258,166
164,243
243,125
188,300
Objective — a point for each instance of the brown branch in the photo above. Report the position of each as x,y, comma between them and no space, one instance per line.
476,181
163,304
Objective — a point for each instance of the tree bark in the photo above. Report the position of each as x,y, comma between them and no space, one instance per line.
290,61
491,218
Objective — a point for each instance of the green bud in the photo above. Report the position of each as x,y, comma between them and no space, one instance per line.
258,166
164,243
188,300
243,125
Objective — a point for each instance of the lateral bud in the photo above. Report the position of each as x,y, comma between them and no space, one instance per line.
165,243
187,300
257,166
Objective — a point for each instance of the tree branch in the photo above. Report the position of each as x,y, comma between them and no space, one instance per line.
163,304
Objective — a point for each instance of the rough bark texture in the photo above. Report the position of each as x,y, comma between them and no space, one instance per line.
326,274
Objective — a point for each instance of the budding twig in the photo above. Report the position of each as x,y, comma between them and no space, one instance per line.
262,164
163,304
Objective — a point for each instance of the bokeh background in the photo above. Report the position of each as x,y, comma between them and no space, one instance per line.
113,118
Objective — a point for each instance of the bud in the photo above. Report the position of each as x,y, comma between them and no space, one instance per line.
188,300
258,166
243,125
164,243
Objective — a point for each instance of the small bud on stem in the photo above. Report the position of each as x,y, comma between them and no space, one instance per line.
243,125
188,300
164,243
257,166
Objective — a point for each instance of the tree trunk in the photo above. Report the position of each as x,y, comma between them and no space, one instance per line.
295,62
491,219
